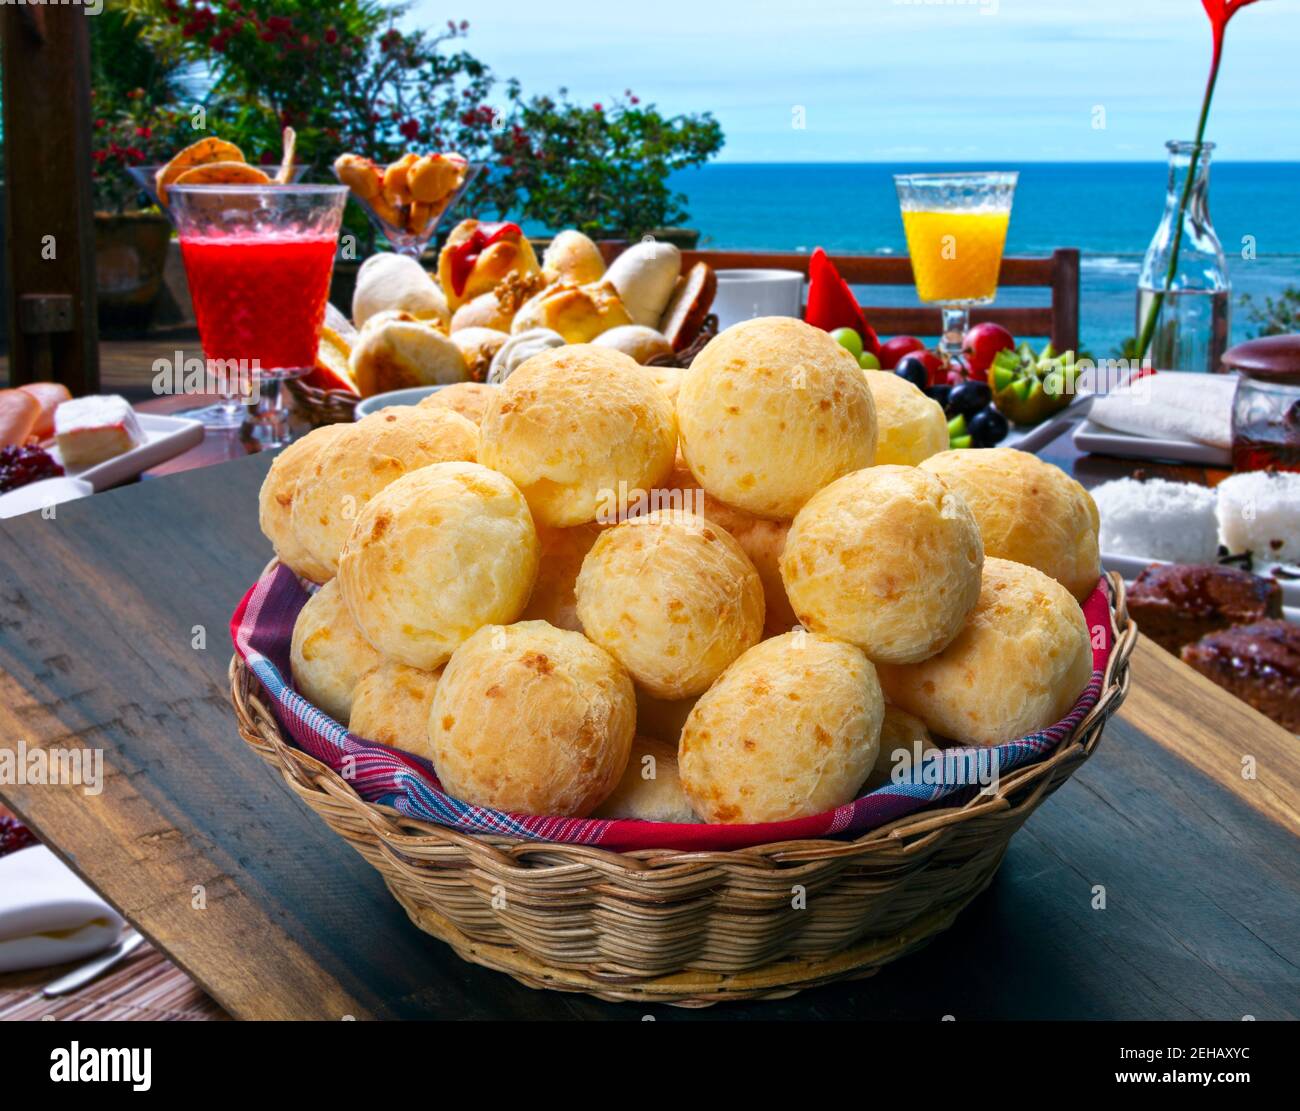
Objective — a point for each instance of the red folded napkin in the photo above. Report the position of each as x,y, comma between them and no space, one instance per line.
831,303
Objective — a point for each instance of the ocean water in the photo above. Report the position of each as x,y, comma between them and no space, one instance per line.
1108,210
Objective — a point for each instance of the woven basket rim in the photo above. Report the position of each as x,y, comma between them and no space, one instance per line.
914,833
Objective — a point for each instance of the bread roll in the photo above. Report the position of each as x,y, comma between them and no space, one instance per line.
579,313
435,556
673,598
791,729
651,788
645,276
572,257
662,718
909,426
580,429
1018,665
391,281
636,342
391,705
485,311
489,253
690,304
533,720
517,350
668,379
328,654
364,458
275,502
902,736
479,347
770,412
887,558
562,552
1028,511
396,354
469,399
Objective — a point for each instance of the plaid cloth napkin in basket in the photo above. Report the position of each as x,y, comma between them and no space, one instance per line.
262,627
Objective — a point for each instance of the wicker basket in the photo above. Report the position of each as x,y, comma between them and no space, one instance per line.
689,928
316,406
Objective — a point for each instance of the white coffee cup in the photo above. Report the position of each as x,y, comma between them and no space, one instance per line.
746,294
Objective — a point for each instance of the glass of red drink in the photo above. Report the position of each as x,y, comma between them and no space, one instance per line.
258,259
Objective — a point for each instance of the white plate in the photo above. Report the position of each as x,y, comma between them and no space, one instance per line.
1132,566
1106,441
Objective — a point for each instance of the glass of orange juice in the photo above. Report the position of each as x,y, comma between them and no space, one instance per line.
956,226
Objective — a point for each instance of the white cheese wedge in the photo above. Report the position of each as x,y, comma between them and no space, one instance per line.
89,430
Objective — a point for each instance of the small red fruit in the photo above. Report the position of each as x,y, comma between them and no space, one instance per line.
981,346
896,348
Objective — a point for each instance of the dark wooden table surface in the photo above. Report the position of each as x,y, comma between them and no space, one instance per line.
113,634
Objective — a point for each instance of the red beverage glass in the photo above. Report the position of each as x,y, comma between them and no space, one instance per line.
258,259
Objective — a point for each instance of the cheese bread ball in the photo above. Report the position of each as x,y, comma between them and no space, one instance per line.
770,412
1017,666
391,705
662,718
651,788
1028,511
888,559
790,729
902,736
364,458
668,379
328,654
562,552
579,429
436,555
469,399
532,719
275,502
673,598
909,426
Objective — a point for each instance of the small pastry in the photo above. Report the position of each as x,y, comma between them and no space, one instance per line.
572,257
395,354
578,313
394,282
645,276
477,256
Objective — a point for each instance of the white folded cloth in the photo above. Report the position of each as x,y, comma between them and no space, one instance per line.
47,915
1171,405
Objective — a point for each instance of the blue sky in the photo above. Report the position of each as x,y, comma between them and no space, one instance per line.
914,80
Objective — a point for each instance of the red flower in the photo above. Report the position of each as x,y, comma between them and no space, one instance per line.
1220,11
410,130
598,106
144,132
331,36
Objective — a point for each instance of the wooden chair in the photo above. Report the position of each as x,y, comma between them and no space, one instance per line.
1058,272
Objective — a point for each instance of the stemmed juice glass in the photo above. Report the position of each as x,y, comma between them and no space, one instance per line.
258,259
956,227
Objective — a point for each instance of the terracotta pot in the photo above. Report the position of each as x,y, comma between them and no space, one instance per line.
130,255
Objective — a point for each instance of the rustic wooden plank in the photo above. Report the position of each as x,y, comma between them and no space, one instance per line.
97,612
892,320
868,269
50,247
1065,300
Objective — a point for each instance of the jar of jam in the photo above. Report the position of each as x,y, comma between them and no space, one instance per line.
1266,414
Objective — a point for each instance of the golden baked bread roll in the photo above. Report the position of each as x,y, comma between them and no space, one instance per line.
689,307
435,556
477,256
579,429
790,729
275,502
469,399
432,178
532,719
909,426
645,276
391,282
1018,665
902,737
364,458
393,353
673,598
328,654
668,379
770,412
651,788
562,552
1028,511
573,257
579,313
662,718
636,342
517,350
887,558
391,704
479,347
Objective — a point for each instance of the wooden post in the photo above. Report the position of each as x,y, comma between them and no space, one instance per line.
50,234
1065,300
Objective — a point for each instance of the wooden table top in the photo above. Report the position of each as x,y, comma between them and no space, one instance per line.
113,634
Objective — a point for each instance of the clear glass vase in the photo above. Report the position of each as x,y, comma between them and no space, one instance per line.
1192,330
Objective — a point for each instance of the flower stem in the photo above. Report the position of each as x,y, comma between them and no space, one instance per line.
1158,299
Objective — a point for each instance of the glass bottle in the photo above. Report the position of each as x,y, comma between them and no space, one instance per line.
1192,331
